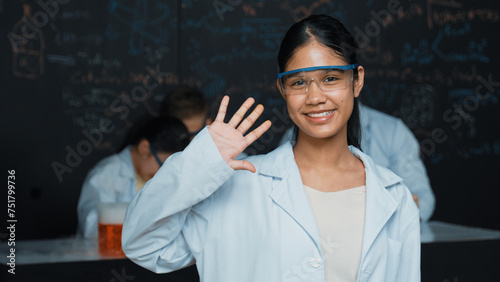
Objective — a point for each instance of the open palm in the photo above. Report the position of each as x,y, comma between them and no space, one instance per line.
229,137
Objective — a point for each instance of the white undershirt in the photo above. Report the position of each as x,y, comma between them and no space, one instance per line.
340,217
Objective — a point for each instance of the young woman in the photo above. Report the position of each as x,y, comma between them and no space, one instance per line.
317,209
117,178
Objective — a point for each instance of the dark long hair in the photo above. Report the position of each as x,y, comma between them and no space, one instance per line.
166,134
333,34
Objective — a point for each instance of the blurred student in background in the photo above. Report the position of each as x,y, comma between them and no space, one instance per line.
190,106
391,144
119,177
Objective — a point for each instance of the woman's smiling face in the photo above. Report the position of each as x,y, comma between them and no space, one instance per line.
316,113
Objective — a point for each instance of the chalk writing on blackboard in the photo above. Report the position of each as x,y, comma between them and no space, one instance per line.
382,93
60,59
442,12
74,15
418,105
436,76
373,53
141,23
463,96
414,11
68,37
474,50
28,46
331,8
482,149
420,55
103,77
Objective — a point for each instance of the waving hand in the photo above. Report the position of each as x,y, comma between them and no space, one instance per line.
229,137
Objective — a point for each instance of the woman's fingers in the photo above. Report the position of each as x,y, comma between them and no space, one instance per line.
230,138
256,133
238,116
221,114
242,165
250,120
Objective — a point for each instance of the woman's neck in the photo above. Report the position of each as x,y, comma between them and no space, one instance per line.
326,152
327,164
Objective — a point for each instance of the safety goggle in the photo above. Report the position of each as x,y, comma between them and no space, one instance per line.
327,78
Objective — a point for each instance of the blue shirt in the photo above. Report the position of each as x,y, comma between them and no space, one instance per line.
244,226
391,144
111,180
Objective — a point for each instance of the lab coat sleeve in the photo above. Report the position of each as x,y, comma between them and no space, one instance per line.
409,166
87,212
96,188
153,231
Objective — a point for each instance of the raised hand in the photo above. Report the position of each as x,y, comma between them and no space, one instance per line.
229,137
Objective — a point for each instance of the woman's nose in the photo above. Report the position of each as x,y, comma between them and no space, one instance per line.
314,93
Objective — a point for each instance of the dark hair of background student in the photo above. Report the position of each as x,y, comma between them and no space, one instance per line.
166,134
184,102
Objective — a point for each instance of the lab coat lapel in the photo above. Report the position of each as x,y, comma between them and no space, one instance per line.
288,191
379,208
380,205
289,194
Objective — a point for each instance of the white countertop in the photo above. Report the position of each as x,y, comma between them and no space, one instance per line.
438,232
75,249
53,250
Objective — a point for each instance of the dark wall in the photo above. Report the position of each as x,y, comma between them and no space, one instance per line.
75,75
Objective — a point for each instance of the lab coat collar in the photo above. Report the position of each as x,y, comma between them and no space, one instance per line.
380,205
289,193
278,163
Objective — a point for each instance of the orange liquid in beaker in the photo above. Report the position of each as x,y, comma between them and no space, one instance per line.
110,239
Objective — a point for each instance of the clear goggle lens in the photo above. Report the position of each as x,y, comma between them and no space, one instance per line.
297,82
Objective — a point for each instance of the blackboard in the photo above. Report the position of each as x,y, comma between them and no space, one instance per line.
76,74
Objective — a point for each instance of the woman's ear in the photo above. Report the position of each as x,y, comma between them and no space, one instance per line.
278,84
143,148
359,82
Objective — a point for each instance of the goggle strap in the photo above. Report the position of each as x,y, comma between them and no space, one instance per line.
348,67
153,151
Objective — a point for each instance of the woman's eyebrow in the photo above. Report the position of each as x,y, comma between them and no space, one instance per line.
324,71
332,70
296,74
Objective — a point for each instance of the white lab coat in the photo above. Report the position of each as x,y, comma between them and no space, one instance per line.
111,180
388,141
243,226
392,144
